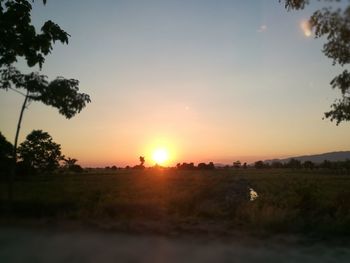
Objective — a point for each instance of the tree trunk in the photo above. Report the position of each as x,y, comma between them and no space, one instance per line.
14,163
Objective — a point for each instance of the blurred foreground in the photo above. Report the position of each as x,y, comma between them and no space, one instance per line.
19,245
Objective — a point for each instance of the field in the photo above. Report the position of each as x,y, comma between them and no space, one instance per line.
170,201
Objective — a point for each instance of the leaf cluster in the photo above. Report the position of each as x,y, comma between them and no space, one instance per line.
19,37
6,147
60,93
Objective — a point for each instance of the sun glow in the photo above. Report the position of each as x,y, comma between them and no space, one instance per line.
306,27
160,156
162,150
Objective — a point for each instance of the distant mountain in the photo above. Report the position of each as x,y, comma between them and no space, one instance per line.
317,158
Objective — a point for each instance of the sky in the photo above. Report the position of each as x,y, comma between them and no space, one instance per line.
206,80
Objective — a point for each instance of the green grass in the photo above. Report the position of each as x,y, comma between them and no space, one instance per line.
289,201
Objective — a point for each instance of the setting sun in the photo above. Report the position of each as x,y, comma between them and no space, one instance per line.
160,156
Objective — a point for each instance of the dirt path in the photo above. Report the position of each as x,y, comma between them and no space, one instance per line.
18,245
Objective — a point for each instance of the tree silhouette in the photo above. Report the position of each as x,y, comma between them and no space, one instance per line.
293,163
71,165
140,166
39,152
259,165
6,150
69,162
327,164
142,160
309,165
185,166
334,26
204,166
237,164
18,38
276,164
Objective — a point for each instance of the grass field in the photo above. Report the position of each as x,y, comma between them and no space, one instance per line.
166,200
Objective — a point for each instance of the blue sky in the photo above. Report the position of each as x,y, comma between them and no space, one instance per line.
209,80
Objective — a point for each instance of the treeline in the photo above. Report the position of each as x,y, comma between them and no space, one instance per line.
191,166
291,164
297,164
